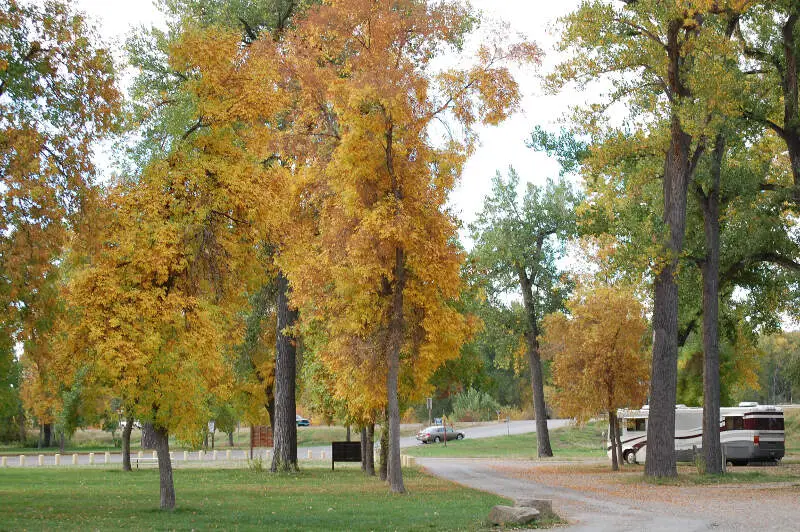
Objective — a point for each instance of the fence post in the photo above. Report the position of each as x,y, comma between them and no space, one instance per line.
185,456
22,459
74,459
41,459
107,458
57,459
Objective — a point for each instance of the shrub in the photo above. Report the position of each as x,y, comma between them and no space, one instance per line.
474,405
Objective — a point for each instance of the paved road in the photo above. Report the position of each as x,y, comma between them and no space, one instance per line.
319,452
584,511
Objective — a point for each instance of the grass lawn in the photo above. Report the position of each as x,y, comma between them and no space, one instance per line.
314,499
567,442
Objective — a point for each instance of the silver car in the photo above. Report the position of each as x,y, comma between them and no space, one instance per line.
437,433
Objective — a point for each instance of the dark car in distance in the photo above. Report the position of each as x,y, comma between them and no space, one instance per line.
301,421
437,433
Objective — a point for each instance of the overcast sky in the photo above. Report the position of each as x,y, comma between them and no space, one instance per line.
501,146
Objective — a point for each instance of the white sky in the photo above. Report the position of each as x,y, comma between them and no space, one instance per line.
501,146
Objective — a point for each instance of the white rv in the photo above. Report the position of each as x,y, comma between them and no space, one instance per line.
749,433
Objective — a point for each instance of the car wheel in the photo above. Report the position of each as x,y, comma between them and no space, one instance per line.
629,457
436,439
460,437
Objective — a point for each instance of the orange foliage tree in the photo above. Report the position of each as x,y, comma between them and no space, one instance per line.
57,97
381,271
600,360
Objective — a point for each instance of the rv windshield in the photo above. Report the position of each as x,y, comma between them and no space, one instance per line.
636,425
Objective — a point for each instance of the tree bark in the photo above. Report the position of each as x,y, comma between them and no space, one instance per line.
126,444
712,448
347,438
396,324
370,450
664,374
61,442
537,377
164,469
612,439
384,448
230,439
148,436
47,434
285,428
363,441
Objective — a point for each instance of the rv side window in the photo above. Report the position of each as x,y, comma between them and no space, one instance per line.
734,423
635,425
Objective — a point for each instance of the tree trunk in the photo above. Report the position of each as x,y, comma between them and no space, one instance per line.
230,439
285,427
537,377
164,469
47,434
126,444
148,436
61,442
348,433
396,324
370,449
363,442
269,393
384,448
664,374
712,448
791,98
612,439
205,440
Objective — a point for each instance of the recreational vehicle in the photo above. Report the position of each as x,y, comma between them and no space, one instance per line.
749,433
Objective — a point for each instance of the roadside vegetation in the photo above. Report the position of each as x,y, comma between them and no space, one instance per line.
568,443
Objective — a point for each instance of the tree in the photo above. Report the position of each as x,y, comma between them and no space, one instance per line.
385,257
659,58
517,244
57,98
769,33
600,356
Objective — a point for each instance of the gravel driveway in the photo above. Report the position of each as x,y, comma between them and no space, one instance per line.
593,499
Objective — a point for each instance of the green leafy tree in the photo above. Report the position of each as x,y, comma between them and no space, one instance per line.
518,242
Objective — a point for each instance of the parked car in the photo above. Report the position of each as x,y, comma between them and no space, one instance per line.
301,421
437,433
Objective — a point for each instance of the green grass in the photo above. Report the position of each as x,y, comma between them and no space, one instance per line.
791,420
567,442
314,499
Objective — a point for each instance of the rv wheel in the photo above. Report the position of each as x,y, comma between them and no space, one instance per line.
629,456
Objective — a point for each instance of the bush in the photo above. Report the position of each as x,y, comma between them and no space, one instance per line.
474,405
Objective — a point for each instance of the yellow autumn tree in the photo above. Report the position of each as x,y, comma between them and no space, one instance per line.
600,358
381,271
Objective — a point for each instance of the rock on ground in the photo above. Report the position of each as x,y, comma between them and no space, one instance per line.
512,515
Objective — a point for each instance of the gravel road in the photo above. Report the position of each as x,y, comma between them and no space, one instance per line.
592,498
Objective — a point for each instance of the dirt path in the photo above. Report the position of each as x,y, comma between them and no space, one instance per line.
592,499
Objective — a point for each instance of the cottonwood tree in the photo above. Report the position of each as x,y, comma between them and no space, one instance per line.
57,99
600,358
187,86
518,241
384,257
662,60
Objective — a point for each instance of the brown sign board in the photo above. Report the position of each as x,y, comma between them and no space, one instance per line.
260,436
